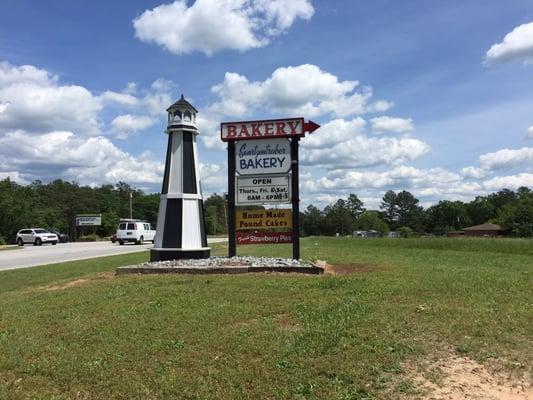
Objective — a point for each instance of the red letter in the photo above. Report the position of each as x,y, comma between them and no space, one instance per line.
293,125
244,131
231,131
255,129
280,128
269,128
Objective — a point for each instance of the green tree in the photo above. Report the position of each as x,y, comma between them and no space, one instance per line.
313,221
110,221
211,220
518,219
389,209
355,205
410,214
447,216
402,209
17,208
216,214
371,220
480,210
338,218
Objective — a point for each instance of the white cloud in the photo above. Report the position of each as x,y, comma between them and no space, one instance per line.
131,88
92,161
214,25
348,147
429,184
208,124
512,182
31,99
530,132
123,125
301,90
304,90
516,46
507,158
214,178
473,172
389,124
14,176
159,97
50,130
126,99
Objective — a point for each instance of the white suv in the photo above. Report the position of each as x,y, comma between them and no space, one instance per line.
36,236
134,231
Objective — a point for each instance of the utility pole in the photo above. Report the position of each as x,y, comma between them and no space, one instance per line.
131,205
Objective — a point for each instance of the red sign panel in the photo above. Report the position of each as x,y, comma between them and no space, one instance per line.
263,237
272,128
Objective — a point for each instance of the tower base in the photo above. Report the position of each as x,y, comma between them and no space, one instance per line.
161,254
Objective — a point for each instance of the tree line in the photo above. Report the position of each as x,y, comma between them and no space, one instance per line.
401,211
55,205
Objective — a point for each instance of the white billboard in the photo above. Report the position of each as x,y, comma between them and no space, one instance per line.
89,220
266,156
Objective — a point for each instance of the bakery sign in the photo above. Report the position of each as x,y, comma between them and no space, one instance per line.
263,169
268,156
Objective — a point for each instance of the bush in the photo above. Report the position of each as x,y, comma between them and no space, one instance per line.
88,238
406,232
2,241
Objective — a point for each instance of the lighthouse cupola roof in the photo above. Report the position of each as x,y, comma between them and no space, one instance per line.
182,113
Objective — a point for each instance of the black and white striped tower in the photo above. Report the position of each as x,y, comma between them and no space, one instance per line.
180,221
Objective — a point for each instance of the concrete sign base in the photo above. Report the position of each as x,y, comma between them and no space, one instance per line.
178,254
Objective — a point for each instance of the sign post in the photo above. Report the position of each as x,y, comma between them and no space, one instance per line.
295,200
263,169
232,246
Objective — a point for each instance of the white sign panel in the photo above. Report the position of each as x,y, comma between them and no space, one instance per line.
266,156
88,220
263,189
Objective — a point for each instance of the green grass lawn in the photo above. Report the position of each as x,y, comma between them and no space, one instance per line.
266,336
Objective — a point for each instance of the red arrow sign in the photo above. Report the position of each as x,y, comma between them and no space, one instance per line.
310,126
273,128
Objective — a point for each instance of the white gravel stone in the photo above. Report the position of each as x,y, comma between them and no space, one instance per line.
214,262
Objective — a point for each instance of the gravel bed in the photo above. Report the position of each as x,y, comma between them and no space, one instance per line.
214,262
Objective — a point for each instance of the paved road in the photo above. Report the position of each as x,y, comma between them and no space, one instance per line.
30,256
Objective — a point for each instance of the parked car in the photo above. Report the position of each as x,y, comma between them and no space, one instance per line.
134,231
36,236
63,237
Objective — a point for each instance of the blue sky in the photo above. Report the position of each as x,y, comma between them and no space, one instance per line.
431,97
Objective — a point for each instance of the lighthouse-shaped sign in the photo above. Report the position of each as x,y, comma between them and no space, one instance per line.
180,221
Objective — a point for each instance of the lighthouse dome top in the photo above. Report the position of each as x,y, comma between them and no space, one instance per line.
182,113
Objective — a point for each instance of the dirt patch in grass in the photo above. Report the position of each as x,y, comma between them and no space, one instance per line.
456,377
246,323
287,323
79,282
350,269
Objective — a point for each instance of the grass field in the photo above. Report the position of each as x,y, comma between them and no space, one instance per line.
74,331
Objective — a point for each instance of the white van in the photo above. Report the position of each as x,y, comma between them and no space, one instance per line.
134,231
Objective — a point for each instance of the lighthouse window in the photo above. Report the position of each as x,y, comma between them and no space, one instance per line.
187,115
